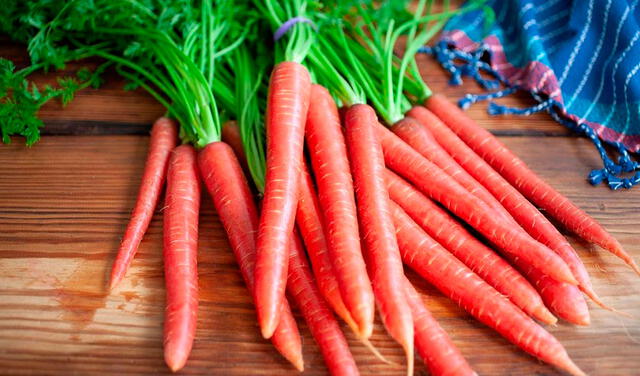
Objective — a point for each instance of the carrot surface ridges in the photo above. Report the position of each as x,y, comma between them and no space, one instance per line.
310,224
330,163
413,133
431,180
322,324
381,247
164,136
234,203
527,215
287,105
563,299
526,181
434,345
180,255
475,255
463,286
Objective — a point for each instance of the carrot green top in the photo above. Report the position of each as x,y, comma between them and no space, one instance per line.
169,47
293,28
367,36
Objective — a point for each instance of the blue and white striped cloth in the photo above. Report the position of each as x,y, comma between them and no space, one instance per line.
579,59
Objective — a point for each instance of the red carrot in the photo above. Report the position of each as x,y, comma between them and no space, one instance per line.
311,228
234,204
328,153
475,255
322,324
180,256
416,135
164,136
522,210
526,181
231,136
381,246
563,299
460,284
431,180
435,347
287,105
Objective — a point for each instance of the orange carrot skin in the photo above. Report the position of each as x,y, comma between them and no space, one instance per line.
231,136
475,255
180,255
381,246
414,134
322,324
526,181
463,286
434,345
229,189
310,223
328,152
164,136
519,207
431,180
287,105
563,299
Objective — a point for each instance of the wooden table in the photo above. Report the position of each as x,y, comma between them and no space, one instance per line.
64,204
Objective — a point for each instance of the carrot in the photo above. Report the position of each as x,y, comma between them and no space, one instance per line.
287,105
435,347
180,255
475,255
463,286
328,152
563,299
164,137
526,181
536,224
431,180
311,225
229,189
381,247
311,228
322,324
414,134
231,136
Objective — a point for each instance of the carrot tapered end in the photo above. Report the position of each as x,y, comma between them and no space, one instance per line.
567,365
267,327
634,266
175,358
298,364
543,315
588,291
115,280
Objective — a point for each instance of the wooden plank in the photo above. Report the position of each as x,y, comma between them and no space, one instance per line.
64,204
131,112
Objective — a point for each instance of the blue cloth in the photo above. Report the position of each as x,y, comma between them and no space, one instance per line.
579,59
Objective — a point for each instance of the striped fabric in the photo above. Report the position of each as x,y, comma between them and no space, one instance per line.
579,59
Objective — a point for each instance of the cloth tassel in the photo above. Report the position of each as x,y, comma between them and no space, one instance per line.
472,65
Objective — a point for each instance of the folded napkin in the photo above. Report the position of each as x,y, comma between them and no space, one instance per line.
580,60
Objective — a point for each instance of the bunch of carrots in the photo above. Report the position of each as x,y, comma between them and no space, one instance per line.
360,169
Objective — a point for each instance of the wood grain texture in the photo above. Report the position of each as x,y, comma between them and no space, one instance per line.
64,204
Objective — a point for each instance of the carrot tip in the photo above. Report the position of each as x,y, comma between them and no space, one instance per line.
588,291
410,360
174,361
377,353
544,315
267,330
113,284
634,266
569,366
298,364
